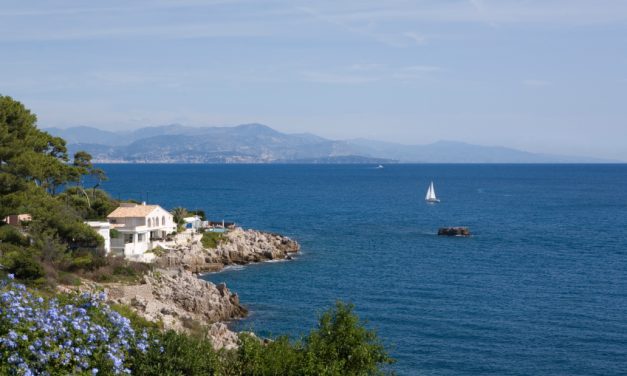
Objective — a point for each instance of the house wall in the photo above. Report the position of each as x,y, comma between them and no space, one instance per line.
160,219
104,232
129,221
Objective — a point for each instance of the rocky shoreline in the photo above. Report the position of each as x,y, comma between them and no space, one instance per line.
239,247
173,295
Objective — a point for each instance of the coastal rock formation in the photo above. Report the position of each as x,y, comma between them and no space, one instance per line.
237,247
177,299
176,296
182,302
454,231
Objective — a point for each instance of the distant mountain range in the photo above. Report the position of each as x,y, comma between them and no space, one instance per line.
257,143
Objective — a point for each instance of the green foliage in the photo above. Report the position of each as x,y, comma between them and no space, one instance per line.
11,235
85,260
278,357
93,204
178,214
177,354
158,251
21,262
200,213
28,156
211,239
114,234
339,346
342,346
33,166
117,269
137,321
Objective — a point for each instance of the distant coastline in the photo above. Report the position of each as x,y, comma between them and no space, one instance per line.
257,143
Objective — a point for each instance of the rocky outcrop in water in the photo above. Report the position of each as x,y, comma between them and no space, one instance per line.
237,247
454,231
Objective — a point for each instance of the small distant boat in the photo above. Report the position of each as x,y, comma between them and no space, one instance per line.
379,166
431,194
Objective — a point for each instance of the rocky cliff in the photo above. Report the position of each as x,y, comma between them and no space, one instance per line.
174,295
236,247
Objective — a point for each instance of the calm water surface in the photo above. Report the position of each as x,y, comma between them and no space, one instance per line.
541,289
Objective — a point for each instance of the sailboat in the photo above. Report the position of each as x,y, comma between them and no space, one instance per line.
431,194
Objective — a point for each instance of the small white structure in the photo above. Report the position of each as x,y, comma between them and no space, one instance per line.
138,227
103,229
192,223
17,219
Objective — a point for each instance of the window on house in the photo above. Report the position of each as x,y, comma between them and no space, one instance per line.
140,238
163,221
149,222
156,221
128,238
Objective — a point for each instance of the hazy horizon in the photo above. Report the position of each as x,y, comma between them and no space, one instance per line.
541,76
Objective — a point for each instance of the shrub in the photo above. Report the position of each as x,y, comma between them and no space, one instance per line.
211,239
118,269
177,354
341,345
158,251
11,235
22,264
114,234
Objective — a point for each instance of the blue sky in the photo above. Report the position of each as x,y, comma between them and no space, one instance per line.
540,75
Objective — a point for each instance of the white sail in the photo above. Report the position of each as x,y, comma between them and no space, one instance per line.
431,194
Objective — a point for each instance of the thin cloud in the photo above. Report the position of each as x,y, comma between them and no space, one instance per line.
370,73
415,37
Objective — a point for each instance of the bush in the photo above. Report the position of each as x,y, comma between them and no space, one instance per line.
114,234
341,345
118,269
211,239
177,354
22,264
11,235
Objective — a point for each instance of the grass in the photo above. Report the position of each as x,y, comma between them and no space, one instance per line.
211,239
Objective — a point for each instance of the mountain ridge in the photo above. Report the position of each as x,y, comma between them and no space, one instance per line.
259,143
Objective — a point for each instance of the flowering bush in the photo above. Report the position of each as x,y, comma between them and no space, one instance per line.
71,334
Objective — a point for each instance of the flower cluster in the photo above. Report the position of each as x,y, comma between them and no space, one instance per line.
75,334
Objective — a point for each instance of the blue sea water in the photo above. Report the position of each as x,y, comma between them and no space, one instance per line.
540,289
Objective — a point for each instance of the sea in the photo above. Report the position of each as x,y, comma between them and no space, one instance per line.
540,288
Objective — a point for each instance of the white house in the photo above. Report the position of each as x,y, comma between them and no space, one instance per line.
193,223
138,226
103,229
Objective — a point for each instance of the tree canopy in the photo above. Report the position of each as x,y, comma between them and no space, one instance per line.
38,178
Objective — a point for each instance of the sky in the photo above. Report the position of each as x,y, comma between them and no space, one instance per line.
544,76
